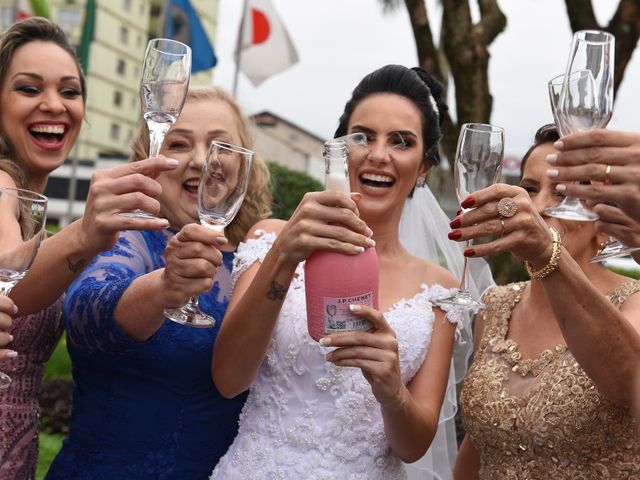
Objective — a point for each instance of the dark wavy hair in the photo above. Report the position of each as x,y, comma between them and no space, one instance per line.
545,134
416,85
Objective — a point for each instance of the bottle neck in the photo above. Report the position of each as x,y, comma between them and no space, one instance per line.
336,167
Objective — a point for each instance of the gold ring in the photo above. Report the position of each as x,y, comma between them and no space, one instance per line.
607,178
507,208
502,231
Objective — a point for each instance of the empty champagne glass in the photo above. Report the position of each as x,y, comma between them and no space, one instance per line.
166,73
477,166
585,101
24,215
223,184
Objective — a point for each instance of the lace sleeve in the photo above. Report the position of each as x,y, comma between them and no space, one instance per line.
454,314
251,251
92,298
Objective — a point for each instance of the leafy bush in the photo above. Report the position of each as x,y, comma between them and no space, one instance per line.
288,187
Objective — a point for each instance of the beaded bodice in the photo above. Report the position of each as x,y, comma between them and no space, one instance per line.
306,418
542,418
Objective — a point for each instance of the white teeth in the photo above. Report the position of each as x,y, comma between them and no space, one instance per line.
57,129
376,178
191,183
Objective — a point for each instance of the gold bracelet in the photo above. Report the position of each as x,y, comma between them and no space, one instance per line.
553,261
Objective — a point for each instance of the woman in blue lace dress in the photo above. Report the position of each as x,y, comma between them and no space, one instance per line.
145,406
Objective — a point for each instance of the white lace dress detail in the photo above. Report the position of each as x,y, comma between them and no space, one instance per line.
305,418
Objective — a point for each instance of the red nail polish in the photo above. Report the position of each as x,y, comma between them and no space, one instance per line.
458,213
469,252
455,235
456,223
468,202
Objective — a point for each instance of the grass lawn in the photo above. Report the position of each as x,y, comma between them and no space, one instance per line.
49,447
59,365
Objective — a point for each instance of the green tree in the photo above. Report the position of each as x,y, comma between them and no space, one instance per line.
288,188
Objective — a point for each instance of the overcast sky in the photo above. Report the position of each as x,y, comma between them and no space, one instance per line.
340,41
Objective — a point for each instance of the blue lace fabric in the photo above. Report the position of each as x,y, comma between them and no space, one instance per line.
142,410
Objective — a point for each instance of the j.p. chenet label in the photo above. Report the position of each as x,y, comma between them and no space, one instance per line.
338,317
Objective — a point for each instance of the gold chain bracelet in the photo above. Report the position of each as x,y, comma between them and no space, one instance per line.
553,261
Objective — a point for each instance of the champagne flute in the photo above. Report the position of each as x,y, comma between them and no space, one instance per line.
166,73
223,184
585,101
19,241
477,166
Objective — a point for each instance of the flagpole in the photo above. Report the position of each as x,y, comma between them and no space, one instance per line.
238,52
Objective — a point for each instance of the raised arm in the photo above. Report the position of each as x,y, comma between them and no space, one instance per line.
260,290
62,257
592,327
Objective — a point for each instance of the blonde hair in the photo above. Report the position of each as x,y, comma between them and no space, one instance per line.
257,202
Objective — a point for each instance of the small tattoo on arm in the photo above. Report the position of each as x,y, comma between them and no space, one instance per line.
75,267
276,291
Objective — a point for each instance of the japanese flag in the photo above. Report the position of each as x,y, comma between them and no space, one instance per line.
265,46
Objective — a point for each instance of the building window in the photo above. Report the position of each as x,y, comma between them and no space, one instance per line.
115,131
117,98
121,67
124,34
69,18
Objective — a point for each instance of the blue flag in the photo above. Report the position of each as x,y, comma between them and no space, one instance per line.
181,23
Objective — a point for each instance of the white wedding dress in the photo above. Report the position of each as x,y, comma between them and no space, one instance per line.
306,418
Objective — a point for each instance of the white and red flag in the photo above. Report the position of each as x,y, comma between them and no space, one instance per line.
264,45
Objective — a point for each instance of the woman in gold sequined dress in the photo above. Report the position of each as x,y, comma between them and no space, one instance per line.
549,391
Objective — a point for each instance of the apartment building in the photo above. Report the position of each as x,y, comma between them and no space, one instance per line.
122,30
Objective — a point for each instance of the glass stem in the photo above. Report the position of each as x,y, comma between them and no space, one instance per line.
464,282
157,132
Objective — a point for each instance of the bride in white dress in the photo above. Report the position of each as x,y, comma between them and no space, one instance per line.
370,402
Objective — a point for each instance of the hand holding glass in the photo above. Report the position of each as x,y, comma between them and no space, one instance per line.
223,185
584,102
166,73
19,239
477,166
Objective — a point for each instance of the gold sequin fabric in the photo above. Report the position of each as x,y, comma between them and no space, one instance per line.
542,418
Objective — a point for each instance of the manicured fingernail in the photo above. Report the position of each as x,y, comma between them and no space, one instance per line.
552,159
15,309
468,202
172,162
221,240
355,196
456,223
469,252
559,145
458,213
561,188
552,172
325,341
11,338
355,308
162,222
359,249
11,354
370,242
368,232
455,235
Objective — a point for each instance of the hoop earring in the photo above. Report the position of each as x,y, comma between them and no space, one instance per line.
421,182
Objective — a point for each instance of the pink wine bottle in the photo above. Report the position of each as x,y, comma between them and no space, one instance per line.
333,281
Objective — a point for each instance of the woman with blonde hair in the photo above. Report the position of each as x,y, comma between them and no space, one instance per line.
144,402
